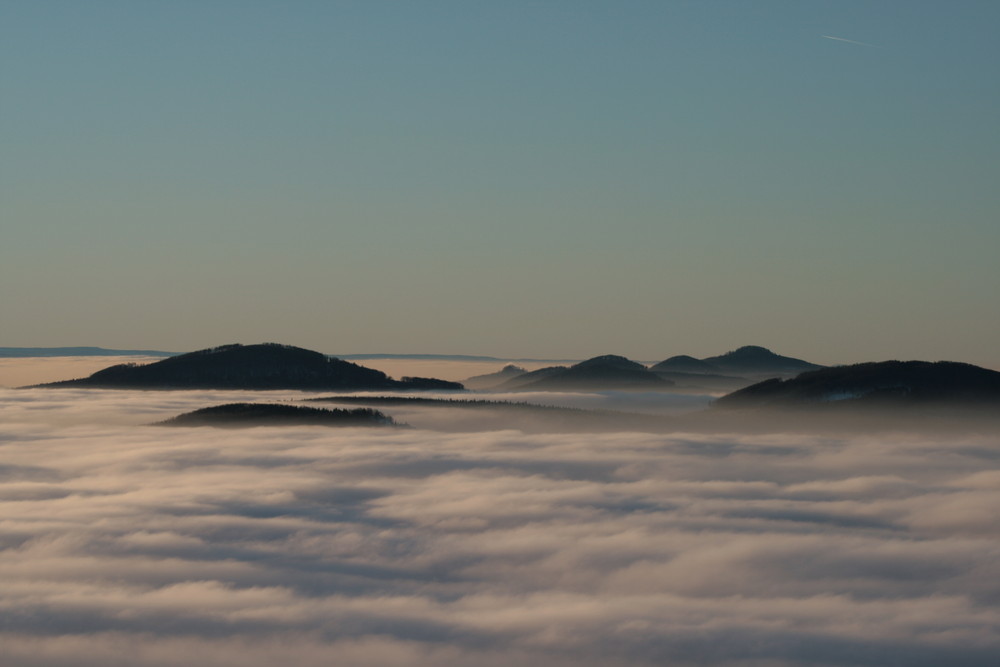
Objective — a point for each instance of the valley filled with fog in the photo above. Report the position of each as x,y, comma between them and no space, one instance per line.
472,537
499,334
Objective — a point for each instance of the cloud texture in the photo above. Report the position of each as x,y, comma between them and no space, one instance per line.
123,544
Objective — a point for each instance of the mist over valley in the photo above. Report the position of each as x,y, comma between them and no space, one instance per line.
499,334
635,524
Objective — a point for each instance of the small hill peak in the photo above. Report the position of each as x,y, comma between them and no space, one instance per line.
261,366
610,360
747,350
683,363
755,359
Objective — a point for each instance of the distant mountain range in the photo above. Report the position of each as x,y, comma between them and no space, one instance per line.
899,387
448,357
78,352
273,366
875,384
84,351
753,376
725,372
264,366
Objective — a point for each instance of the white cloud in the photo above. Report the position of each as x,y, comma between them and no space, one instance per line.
123,544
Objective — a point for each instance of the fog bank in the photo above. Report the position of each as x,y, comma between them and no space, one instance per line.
124,544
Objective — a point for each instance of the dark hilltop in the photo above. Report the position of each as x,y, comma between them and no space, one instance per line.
490,380
605,372
722,373
756,360
237,415
262,366
888,384
683,363
732,370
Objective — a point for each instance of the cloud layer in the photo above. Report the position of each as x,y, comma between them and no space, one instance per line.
125,544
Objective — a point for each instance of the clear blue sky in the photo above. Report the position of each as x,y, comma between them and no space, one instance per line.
511,178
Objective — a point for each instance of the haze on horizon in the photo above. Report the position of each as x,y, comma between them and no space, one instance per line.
515,179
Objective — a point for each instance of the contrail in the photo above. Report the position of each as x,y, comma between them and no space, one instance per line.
850,41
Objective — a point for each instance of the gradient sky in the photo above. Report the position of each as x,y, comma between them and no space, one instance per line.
508,178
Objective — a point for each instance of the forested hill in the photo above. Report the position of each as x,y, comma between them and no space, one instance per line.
756,360
886,383
262,366
269,414
598,373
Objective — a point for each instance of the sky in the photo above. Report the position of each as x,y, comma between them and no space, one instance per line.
521,179
129,545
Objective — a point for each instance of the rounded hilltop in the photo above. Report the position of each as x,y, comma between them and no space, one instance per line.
755,359
608,371
683,363
260,366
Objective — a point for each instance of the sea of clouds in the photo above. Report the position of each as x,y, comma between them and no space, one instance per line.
123,544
